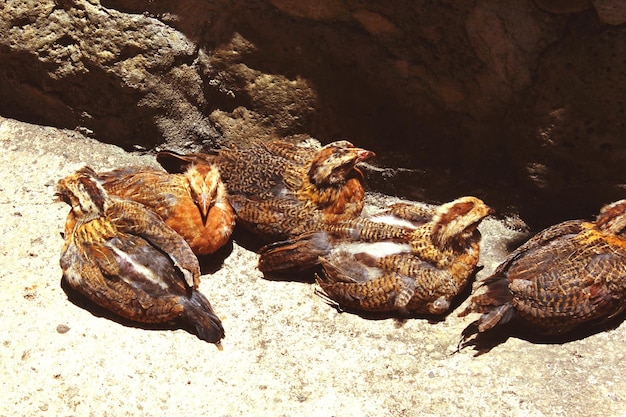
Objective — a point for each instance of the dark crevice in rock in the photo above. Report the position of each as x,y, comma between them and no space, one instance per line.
521,107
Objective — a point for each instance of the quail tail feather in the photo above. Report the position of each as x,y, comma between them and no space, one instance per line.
495,304
295,254
200,314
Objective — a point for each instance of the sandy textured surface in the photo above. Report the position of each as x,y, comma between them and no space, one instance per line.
286,352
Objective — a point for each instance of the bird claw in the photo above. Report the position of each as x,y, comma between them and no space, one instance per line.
328,300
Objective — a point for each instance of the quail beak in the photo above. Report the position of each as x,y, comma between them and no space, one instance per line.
474,225
205,205
60,197
363,154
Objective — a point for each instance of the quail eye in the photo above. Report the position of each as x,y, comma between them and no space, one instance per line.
63,198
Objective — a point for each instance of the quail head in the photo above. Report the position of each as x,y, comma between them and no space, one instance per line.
567,275
124,258
279,189
193,202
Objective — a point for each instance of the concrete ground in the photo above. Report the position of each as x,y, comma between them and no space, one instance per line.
286,352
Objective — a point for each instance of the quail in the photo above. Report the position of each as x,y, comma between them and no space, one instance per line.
421,273
280,190
567,275
407,259
193,202
124,258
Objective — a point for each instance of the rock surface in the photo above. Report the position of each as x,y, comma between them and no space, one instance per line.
520,102
286,351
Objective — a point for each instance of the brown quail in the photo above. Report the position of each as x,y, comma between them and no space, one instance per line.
569,274
193,203
407,259
124,258
280,190
420,274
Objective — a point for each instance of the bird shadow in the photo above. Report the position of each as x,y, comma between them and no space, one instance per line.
211,263
79,300
517,241
247,239
399,317
484,342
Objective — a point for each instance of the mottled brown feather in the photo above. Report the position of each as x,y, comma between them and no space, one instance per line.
193,203
420,274
567,275
124,258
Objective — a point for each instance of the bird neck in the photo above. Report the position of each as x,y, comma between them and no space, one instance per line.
440,251
591,235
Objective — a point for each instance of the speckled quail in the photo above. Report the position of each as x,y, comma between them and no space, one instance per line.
421,273
124,258
569,274
406,259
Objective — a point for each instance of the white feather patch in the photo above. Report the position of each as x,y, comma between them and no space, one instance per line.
73,276
146,272
392,220
376,249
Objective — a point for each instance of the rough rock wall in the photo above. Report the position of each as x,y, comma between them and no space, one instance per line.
520,102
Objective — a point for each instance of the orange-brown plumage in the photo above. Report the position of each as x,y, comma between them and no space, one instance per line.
420,273
279,189
124,258
567,275
193,203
